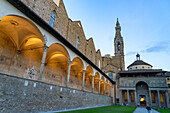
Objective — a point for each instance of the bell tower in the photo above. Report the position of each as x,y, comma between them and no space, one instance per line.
119,47
118,41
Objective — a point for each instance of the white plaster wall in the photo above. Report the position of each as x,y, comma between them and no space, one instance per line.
139,67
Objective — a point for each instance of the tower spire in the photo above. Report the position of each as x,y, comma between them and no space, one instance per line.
117,23
118,28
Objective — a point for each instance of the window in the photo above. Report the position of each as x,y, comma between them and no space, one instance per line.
153,97
110,76
52,19
118,48
77,44
125,96
161,98
132,96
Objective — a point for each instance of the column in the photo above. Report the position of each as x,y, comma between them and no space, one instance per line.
135,98
92,83
99,86
167,99
45,48
159,103
150,98
104,87
115,92
128,97
68,76
120,97
84,72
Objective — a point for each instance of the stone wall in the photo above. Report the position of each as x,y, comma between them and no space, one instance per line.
24,95
153,82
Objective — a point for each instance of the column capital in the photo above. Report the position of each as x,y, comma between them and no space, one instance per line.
69,62
45,48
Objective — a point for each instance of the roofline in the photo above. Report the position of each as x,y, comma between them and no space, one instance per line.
139,64
142,71
37,19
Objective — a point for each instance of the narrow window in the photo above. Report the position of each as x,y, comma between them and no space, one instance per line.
52,19
118,47
77,44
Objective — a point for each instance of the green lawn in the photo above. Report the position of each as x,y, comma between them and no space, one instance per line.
107,109
162,110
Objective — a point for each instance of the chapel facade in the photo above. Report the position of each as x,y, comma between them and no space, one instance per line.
141,85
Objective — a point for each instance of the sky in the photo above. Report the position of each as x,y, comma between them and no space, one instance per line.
145,27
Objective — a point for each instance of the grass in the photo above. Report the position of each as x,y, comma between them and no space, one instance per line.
106,109
162,110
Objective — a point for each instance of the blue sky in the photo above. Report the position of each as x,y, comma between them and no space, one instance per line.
145,27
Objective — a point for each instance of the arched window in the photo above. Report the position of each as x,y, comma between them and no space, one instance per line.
118,47
77,44
52,19
110,76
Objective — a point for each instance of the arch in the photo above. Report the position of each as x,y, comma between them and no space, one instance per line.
88,78
96,82
21,45
56,65
142,93
52,18
20,29
142,84
106,87
76,74
102,85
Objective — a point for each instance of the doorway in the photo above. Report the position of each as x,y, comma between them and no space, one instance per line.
142,100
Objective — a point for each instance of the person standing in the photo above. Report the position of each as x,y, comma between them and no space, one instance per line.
148,108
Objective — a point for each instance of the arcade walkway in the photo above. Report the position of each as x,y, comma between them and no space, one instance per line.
143,110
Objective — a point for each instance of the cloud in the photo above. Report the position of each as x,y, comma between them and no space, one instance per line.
163,46
159,47
131,53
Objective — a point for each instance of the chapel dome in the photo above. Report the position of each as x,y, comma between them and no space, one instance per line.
139,64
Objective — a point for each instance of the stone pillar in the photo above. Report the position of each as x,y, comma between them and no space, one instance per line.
68,76
99,86
159,103
84,72
104,87
45,48
150,98
120,97
128,96
92,83
167,99
136,103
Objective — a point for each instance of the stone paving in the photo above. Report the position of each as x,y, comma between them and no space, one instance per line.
144,110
